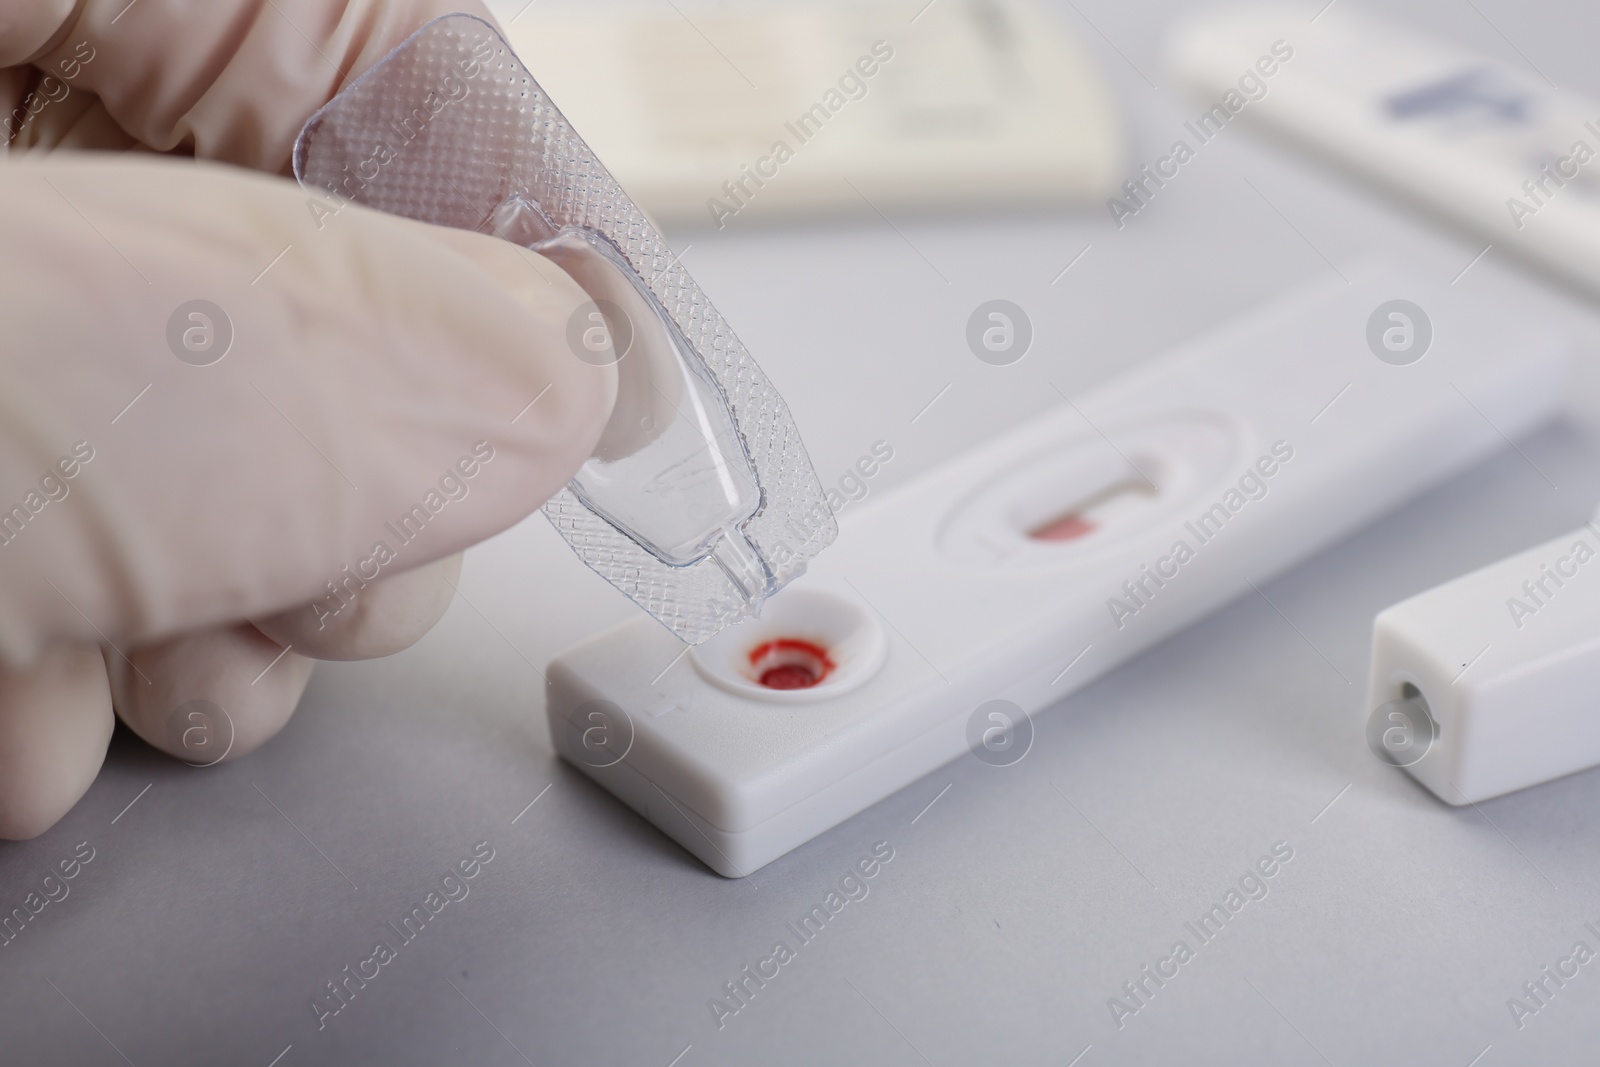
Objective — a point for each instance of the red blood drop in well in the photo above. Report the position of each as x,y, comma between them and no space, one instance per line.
787,663
789,676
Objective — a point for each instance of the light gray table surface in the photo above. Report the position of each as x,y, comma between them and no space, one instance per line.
220,902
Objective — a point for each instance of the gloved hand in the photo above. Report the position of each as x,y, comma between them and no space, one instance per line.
196,499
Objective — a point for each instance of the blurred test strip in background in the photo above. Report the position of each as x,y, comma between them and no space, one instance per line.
729,115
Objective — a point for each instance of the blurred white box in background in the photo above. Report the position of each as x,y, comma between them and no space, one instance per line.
711,115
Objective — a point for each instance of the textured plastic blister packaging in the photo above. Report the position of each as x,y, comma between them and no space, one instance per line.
700,501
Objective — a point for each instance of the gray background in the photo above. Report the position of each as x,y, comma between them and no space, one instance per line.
1022,899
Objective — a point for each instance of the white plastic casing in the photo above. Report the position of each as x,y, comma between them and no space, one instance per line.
936,601
1486,143
1507,660
989,102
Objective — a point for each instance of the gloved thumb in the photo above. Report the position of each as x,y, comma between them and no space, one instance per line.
221,402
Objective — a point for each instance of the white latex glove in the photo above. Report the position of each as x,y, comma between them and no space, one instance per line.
379,369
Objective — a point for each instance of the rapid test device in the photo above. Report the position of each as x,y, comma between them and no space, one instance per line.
717,114
1485,143
954,608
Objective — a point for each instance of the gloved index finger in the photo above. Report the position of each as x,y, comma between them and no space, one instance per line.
230,80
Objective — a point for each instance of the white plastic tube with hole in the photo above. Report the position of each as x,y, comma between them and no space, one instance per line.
1043,559
1506,662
